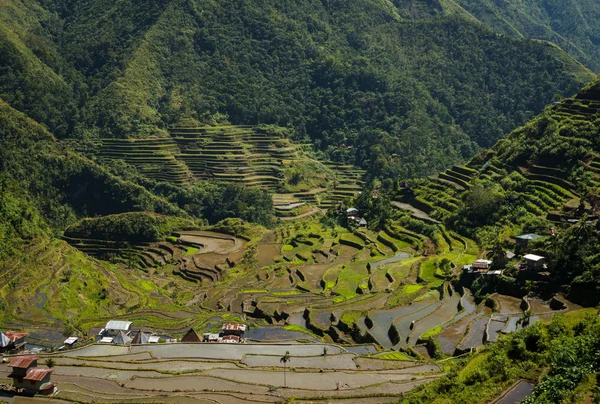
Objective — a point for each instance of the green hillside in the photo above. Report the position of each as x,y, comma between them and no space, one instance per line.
571,24
361,80
544,175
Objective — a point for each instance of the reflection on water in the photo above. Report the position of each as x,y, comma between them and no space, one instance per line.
522,390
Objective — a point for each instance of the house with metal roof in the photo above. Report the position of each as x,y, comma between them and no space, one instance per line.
233,329
27,376
522,241
534,262
12,340
113,327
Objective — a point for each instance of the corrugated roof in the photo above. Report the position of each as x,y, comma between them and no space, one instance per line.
4,341
230,339
234,327
139,337
529,236
15,335
37,374
121,338
533,257
22,362
153,339
71,340
118,325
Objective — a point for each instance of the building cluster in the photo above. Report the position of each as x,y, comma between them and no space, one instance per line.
530,263
352,214
229,334
28,377
119,332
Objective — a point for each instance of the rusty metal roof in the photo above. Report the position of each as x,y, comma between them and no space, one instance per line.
234,327
37,374
22,362
15,335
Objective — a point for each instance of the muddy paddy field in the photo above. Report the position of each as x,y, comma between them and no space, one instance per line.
357,311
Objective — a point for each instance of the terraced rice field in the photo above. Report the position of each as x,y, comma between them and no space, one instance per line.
234,373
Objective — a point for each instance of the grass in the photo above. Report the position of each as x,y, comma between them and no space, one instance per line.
431,295
286,293
352,240
349,279
254,291
287,247
351,316
394,356
191,251
411,289
432,332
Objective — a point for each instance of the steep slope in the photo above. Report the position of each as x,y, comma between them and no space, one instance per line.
362,80
544,175
572,24
34,77
45,187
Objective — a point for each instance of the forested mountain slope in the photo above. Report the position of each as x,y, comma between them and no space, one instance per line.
574,25
384,78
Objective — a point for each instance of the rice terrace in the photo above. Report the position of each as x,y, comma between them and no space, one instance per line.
363,316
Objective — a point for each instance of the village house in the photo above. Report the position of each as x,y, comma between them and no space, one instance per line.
27,376
534,262
12,340
208,337
351,211
233,329
139,337
114,329
190,336
230,339
478,266
522,241
154,339
69,342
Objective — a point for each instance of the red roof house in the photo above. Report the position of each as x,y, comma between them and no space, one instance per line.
26,375
233,329
12,340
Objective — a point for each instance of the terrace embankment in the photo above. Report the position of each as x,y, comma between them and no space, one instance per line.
232,374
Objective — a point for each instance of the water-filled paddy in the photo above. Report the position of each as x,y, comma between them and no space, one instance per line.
475,336
518,393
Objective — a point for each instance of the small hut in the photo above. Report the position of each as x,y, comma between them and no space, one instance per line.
190,336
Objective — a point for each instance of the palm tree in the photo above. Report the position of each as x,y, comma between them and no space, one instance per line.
50,363
285,359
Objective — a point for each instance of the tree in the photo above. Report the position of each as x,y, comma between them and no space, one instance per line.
285,359
526,317
50,363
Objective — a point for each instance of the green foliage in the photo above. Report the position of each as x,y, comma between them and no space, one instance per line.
354,77
132,226
553,20
569,351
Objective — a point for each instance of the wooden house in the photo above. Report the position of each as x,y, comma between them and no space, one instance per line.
190,336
